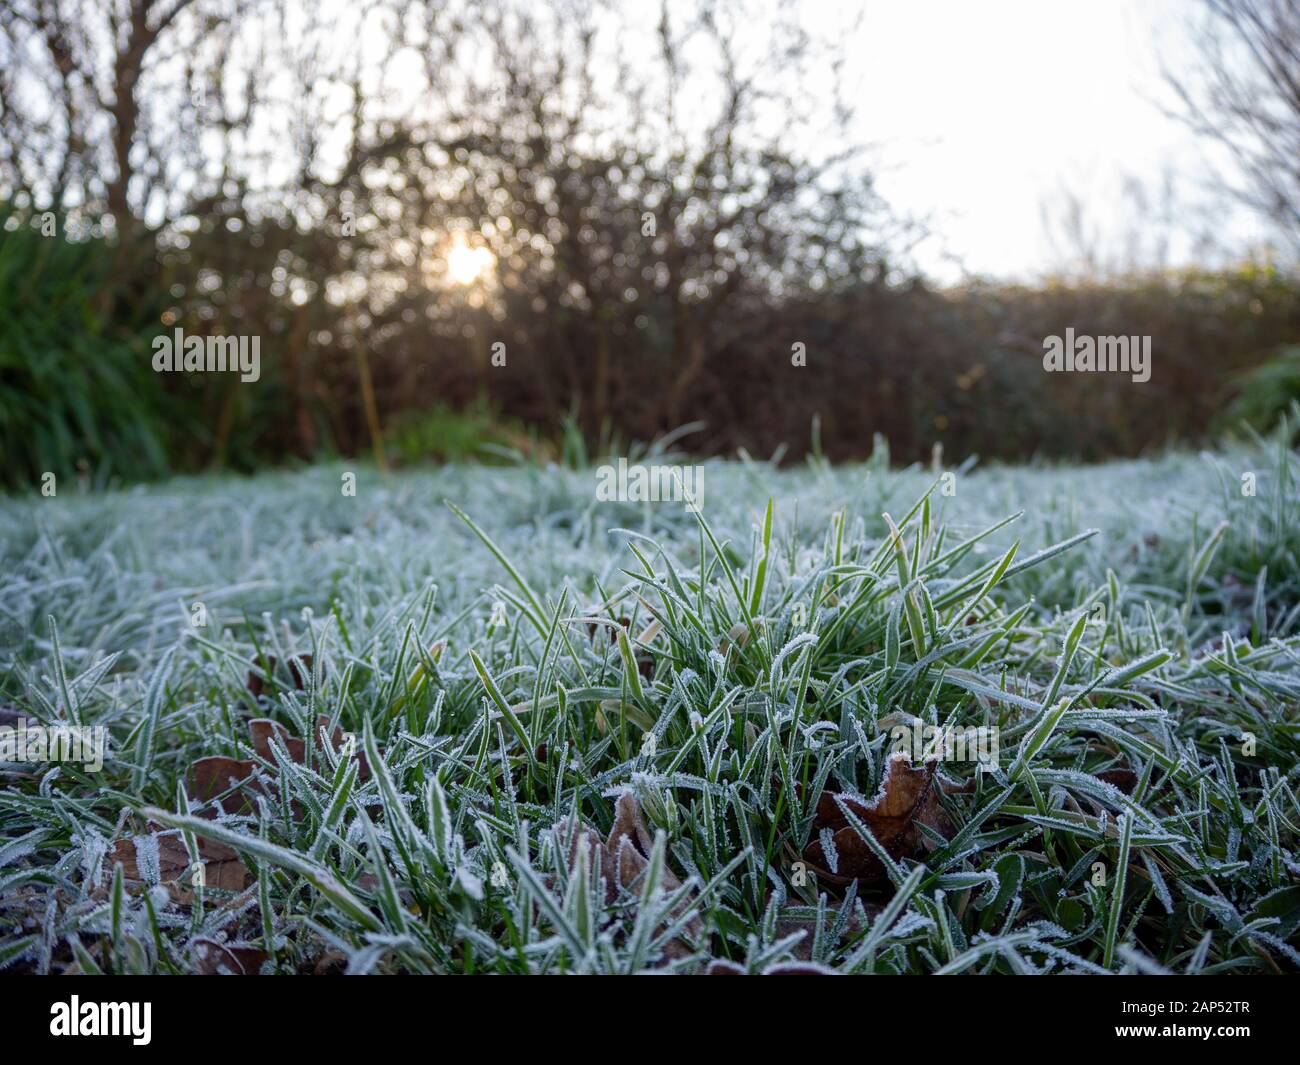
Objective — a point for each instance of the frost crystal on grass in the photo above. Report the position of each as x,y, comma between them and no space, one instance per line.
463,772
147,858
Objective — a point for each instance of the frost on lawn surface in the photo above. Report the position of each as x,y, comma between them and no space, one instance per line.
528,732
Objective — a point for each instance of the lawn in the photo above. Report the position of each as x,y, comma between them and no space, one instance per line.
473,720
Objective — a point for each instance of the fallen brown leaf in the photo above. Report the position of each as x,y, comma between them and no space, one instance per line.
803,949
908,798
623,856
1124,779
217,774
331,963
299,669
262,729
221,869
337,741
226,959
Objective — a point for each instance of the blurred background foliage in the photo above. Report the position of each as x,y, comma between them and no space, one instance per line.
655,232
1263,395
76,396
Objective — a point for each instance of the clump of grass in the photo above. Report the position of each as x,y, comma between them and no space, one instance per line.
511,671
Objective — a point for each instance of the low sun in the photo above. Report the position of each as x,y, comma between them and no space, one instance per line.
467,263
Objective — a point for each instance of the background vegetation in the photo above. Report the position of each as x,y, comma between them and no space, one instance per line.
662,228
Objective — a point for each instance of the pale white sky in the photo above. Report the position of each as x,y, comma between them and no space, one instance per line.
986,109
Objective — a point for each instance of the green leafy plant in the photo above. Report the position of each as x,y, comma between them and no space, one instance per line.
442,434
77,393
1264,395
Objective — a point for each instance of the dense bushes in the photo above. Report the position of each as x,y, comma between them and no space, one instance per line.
636,273
960,367
1264,394
76,393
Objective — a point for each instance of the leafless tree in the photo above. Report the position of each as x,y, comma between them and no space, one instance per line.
1246,96
647,182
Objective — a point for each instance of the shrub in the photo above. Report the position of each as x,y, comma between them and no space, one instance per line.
1264,394
76,388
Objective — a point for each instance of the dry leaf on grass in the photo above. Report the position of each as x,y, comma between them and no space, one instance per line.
1124,779
262,729
908,798
299,670
215,775
623,857
226,959
162,854
802,950
645,663
331,963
